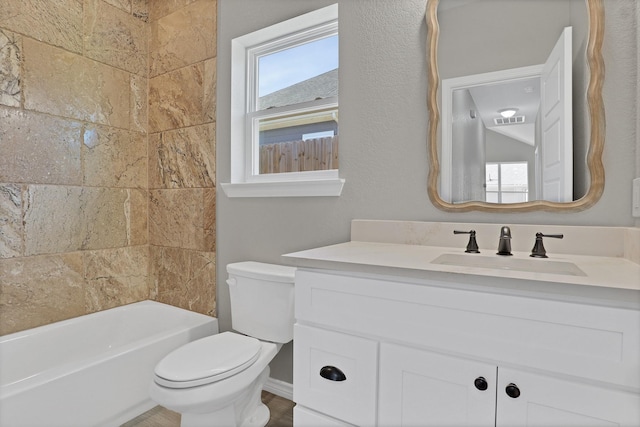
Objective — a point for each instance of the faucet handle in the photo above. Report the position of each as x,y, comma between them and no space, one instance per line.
472,246
538,250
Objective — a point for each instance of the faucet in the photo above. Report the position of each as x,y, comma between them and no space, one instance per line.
472,246
538,250
504,244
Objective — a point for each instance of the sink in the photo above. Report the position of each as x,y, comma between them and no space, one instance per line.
534,265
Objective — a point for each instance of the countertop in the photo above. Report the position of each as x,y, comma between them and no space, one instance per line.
610,278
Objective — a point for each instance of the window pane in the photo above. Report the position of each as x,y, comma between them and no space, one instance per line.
492,197
305,142
514,197
299,74
514,174
506,182
491,174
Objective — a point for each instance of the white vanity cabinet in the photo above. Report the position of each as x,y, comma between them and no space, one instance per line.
415,352
422,388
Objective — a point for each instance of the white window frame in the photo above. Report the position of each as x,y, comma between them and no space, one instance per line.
245,52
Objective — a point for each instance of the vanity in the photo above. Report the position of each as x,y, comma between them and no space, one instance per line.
401,327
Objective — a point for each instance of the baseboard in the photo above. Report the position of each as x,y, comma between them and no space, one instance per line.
279,388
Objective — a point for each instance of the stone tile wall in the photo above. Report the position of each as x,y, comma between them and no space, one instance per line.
182,62
82,193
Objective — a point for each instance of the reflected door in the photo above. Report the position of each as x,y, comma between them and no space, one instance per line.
556,121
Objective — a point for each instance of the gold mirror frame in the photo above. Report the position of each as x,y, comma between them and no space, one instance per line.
595,9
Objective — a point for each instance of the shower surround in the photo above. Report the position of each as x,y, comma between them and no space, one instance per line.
107,157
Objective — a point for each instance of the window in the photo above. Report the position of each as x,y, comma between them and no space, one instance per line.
284,109
507,182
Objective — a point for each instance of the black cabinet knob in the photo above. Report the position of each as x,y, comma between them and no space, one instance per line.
481,383
332,373
512,391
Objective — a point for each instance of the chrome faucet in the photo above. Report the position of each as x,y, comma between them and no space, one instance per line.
504,244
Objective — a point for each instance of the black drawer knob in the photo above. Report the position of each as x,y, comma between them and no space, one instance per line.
332,373
513,391
481,383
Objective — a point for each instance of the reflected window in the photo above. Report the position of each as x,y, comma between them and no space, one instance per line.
506,182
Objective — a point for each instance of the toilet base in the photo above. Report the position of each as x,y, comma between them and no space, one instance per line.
246,411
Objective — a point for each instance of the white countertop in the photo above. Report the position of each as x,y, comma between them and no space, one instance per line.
613,278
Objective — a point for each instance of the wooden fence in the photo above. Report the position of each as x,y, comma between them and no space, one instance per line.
299,156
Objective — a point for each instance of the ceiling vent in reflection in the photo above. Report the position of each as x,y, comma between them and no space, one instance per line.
509,120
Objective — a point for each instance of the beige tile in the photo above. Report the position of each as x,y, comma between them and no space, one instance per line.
54,22
64,219
120,4
155,168
137,214
160,8
68,85
176,218
113,218
116,277
184,278
38,148
183,158
139,104
114,157
210,78
176,99
115,37
105,222
140,9
210,219
10,220
53,219
183,37
10,56
40,290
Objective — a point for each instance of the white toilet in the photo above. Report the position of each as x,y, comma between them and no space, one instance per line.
218,380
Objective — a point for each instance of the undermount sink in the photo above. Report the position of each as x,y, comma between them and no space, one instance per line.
534,265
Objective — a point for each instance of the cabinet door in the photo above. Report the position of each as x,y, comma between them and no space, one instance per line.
335,374
420,388
544,401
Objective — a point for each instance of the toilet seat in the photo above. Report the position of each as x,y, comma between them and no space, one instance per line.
207,360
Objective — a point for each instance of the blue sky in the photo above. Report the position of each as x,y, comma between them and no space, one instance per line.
282,69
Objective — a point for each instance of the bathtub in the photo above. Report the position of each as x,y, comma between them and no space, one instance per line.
93,370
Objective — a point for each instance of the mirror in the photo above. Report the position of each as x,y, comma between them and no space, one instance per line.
490,56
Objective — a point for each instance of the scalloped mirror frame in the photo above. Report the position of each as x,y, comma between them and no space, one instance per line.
595,9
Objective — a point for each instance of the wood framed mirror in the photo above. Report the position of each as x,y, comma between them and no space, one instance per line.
463,78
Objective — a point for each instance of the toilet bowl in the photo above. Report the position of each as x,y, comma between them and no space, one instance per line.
218,380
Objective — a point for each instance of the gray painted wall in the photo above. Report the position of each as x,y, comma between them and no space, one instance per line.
383,133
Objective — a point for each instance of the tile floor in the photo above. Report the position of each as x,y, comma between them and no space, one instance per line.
281,414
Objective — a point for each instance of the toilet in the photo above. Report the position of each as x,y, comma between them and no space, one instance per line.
218,380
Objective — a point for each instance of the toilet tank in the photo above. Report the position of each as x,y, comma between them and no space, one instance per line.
261,297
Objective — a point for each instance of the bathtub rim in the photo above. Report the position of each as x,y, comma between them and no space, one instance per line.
53,373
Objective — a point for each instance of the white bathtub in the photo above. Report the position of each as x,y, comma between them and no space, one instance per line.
93,370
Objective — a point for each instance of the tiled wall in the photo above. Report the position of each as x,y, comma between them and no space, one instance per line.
182,78
93,168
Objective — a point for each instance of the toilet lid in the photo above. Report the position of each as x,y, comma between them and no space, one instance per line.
207,360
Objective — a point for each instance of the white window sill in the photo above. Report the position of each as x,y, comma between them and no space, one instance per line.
298,188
